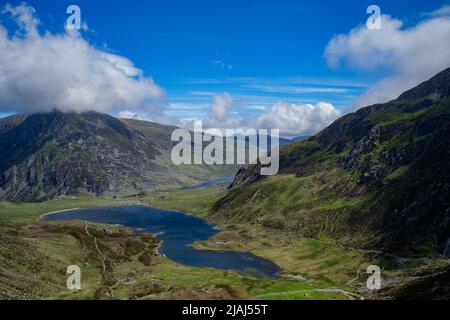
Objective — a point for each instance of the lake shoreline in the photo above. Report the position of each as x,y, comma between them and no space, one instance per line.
180,233
55,212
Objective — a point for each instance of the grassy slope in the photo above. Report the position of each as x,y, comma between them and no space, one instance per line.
28,212
374,178
172,175
323,264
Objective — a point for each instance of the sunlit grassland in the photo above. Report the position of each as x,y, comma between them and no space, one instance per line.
28,212
191,283
320,260
197,201
308,264
192,201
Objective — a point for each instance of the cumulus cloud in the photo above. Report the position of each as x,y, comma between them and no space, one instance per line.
407,55
290,119
220,113
221,107
44,71
156,117
297,119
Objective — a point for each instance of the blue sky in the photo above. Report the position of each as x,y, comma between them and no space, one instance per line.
259,52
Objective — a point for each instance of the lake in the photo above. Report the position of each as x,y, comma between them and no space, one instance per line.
178,231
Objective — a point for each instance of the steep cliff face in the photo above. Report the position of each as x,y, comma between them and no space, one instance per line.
380,177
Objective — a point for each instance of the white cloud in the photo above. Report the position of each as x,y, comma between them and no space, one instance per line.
149,116
408,55
221,107
24,16
123,64
41,72
220,115
297,119
291,119
443,11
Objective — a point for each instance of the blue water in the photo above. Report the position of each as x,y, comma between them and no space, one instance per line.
177,231
211,183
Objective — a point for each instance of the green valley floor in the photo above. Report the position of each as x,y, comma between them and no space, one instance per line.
117,264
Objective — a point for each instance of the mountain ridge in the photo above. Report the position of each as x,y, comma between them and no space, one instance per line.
46,155
376,178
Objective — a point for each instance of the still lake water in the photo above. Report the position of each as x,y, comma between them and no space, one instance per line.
177,231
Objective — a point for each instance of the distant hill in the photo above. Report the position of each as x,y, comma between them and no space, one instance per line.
377,178
300,138
56,154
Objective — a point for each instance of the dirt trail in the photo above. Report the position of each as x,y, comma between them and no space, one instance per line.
96,246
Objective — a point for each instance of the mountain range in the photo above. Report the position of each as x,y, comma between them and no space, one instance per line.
47,155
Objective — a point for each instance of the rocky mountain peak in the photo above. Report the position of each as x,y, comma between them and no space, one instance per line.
438,87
